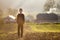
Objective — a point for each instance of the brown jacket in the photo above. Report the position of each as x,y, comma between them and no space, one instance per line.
20,18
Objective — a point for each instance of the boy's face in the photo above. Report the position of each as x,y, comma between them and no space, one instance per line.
20,11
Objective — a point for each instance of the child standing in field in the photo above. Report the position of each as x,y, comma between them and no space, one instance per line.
20,22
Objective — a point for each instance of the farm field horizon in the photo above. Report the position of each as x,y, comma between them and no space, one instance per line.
32,29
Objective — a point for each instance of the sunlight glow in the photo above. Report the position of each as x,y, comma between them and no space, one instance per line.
12,16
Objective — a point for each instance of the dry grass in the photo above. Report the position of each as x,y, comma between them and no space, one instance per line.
33,36
31,31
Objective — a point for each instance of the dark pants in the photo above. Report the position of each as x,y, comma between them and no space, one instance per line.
20,30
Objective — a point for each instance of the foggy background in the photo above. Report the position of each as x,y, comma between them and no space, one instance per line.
31,7
28,5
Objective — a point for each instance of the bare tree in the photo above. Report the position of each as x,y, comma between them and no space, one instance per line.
49,4
12,11
58,6
1,13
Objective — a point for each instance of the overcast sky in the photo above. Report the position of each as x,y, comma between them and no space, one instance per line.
28,5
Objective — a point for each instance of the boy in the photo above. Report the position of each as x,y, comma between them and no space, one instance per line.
20,22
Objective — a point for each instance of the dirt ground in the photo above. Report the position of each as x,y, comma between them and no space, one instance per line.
33,36
30,35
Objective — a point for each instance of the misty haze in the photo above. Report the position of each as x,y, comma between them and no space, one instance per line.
42,19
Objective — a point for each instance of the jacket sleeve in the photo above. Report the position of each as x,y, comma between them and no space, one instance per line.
23,18
17,19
